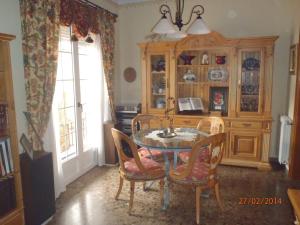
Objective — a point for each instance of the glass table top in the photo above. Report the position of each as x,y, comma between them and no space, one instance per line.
185,138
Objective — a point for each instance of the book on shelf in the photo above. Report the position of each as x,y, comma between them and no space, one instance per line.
190,104
3,116
6,160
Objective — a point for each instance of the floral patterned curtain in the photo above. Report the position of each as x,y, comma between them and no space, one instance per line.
40,28
85,19
106,22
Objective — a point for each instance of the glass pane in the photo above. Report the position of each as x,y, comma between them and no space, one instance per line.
158,81
90,86
64,96
250,78
67,131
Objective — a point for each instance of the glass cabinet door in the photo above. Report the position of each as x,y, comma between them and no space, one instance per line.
157,78
250,81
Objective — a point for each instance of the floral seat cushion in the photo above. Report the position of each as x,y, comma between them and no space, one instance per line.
155,154
204,154
199,174
134,172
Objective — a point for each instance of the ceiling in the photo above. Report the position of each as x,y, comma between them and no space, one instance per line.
123,2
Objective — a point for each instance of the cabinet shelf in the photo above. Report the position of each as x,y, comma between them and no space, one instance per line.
210,83
158,94
158,72
202,65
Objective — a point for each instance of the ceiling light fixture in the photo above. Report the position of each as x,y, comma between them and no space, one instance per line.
166,25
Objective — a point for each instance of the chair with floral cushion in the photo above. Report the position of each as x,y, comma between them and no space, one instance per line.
133,168
215,124
201,169
144,121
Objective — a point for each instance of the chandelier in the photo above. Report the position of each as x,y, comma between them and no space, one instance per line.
166,24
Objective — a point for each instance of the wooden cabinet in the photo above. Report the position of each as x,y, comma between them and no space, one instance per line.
8,131
245,145
250,81
232,76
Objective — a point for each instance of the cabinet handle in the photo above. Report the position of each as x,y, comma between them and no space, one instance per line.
247,124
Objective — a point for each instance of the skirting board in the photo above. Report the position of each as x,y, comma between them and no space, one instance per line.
47,221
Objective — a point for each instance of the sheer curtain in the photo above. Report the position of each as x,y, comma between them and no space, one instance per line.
98,111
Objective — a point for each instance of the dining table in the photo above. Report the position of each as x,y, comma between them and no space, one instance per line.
182,140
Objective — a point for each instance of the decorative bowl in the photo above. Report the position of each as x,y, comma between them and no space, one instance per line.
187,59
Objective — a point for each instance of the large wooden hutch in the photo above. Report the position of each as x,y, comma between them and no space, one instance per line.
240,69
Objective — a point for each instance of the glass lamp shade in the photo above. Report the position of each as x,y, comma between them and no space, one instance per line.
164,27
177,35
198,27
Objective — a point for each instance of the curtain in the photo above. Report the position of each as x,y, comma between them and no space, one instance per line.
78,15
106,22
40,29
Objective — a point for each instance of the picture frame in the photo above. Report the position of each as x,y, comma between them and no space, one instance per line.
218,100
293,59
27,145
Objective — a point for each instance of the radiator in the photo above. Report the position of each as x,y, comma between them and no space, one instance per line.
285,137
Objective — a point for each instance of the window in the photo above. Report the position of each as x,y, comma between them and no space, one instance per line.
76,82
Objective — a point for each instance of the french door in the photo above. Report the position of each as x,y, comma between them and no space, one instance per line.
75,84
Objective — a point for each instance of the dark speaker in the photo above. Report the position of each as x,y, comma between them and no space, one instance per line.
38,187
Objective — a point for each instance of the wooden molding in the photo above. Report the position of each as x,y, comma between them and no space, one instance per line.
6,37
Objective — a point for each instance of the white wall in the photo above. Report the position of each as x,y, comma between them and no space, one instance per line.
232,18
10,23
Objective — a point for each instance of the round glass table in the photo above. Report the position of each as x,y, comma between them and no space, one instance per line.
184,139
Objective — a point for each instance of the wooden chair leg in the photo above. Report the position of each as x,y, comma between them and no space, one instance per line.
131,195
217,192
198,193
120,188
161,185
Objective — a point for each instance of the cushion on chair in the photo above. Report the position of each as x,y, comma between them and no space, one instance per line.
199,173
204,154
144,152
134,172
156,154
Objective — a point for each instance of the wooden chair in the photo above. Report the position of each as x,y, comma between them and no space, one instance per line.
144,121
201,169
133,168
216,125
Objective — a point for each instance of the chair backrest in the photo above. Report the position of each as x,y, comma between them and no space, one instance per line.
215,144
126,149
216,124
143,121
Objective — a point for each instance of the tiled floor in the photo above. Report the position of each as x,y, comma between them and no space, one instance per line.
90,201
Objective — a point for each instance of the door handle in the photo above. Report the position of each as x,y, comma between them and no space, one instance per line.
79,105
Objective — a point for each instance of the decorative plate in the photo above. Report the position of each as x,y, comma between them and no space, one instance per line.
251,64
218,74
129,74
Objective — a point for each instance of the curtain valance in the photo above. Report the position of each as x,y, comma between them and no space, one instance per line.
82,17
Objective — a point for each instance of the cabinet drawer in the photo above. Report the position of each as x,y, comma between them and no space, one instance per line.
248,125
189,122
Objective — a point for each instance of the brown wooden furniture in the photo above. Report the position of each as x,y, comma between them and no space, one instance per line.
239,86
133,168
212,125
37,179
111,156
15,216
143,121
294,196
201,169
294,164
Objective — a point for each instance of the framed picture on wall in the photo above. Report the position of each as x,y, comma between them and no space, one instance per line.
293,59
218,99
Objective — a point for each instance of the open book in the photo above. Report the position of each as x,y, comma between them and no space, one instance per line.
190,104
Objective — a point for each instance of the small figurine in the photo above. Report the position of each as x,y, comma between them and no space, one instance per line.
189,76
205,59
